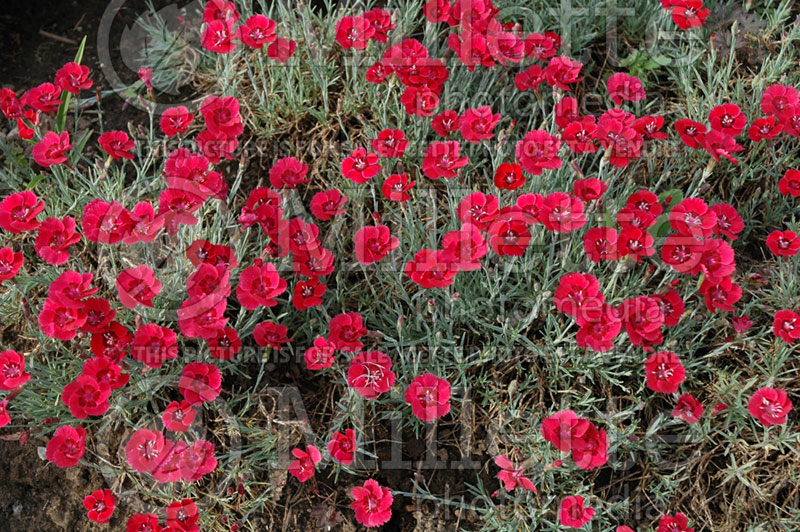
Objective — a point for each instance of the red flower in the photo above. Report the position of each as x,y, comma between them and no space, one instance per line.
306,461
508,176
429,397
372,503
783,243
268,333
664,372
220,10
370,374
152,345
573,513
431,269
566,111
361,166
177,417
691,132
465,247
345,331
600,243
599,326
288,173
676,523
650,127
225,344
10,263
113,342
320,355
259,285
373,243
688,409
693,217
589,189
10,104
682,253
513,476
396,187
66,447
105,372
789,185
216,146
51,149
542,47
59,321
777,98
354,32
342,447
689,13
137,286
86,397
766,128
720,294
770,406
117,144
327,204
579,134
104,222
624,87
672,306
643,319
509,235
257,30
590,448
442,160
476,124
143,523
175,120
636,243
562,71
314,263
577,291
719,144
218,36
73,78
5,418
197,460
620,140
390,143
530,78
54,237
729,222
786,325
183,516
437,11
308,293
562,213
281,50
98,313
381,21
478,209
200,383
222,116
100,505
728,119
537,151
12,370
43,98
140,225
446,122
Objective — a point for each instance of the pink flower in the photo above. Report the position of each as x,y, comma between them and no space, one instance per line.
573,513
688,409
770,406
372,503
137,286
320,355
51,149
513,476
306,461
370,374
622,86
342,447
66,447
429,397
373,243
200,383
144,450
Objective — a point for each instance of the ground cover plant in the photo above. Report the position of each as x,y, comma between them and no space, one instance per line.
414,266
